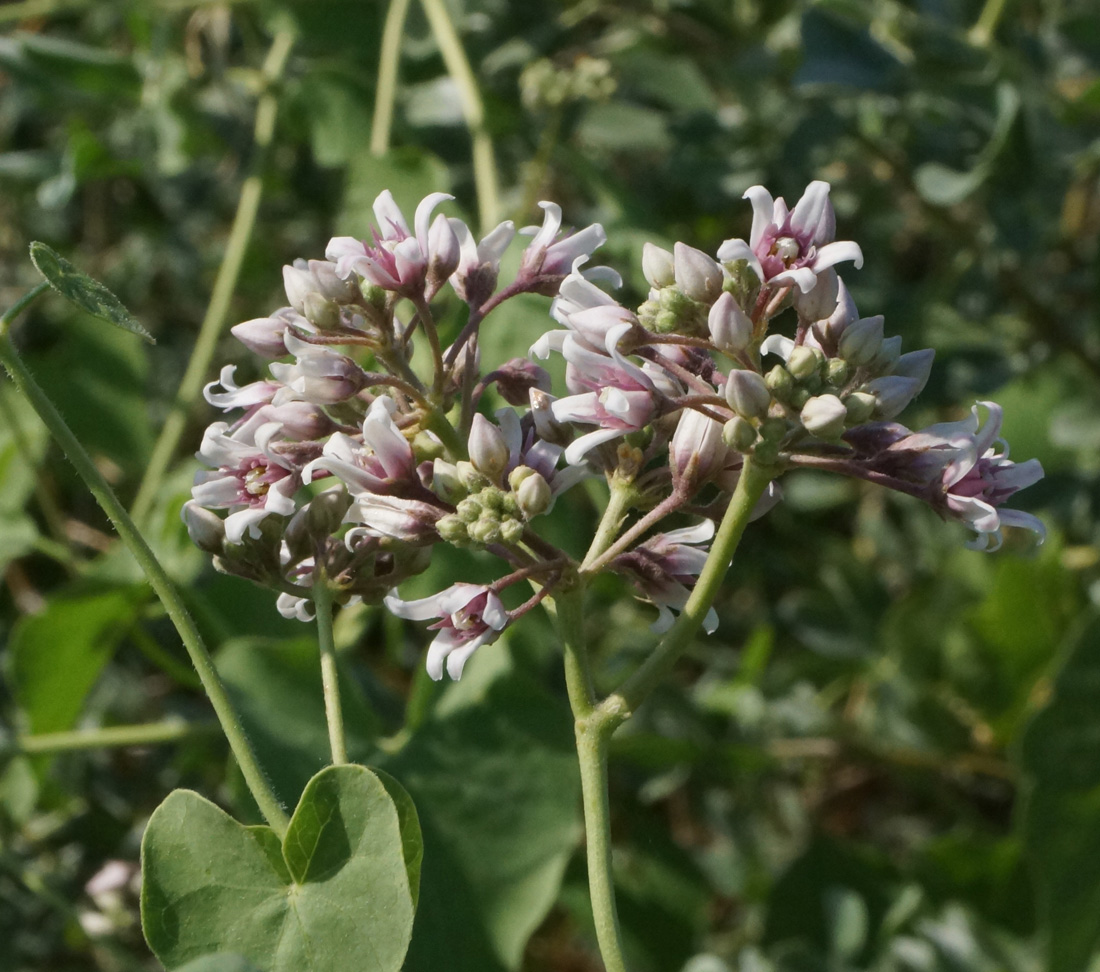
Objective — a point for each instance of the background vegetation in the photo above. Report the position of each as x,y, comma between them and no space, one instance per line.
888,757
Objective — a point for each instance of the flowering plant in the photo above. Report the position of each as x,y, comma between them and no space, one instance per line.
372,443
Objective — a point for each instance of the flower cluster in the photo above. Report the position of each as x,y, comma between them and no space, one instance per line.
353,457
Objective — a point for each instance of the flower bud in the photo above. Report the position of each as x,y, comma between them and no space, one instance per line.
861,341
299,283
485,529
892,393
321,311
780,382
452,529
820,302
206,529
748,394
444,252
739,434
516,378
302,421
534,495
837,371
330,286
511,532
802,362
469,510
446,483
730,327
916,364
518,475
860,406
698,276
470,478
774,429
488,450
262,335
889,353
658,266
824,416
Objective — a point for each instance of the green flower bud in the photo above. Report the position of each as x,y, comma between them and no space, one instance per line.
484,530
511,532
779,382
533,496
748,394
452,529
860,407
739,434
446,483
470,477
774,429
802,363
838,371
824,416
469,510
518,475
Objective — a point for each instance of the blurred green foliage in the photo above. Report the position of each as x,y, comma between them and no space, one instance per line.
887,757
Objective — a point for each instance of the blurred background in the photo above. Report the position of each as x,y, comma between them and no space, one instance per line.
888,758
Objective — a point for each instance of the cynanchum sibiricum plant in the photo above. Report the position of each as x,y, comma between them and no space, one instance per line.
347,464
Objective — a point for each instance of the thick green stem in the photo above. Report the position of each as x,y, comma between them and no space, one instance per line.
386,90
458,66
618,505
225,283
330,677
149,734
750,488
154,572
592,744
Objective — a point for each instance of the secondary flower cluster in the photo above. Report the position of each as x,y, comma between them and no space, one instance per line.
368,442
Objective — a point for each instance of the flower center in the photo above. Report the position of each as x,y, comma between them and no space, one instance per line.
787,249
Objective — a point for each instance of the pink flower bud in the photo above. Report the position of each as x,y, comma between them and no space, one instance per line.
299,283
658,266
730,327
697,275
206,529
488,450
697,450
748,394
262,335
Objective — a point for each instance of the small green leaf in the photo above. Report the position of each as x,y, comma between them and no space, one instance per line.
412,840
334,895
88,294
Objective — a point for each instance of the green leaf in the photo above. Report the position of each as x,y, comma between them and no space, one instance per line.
221,962
491,870
56,656
1061,757
412,840
80,289
333,896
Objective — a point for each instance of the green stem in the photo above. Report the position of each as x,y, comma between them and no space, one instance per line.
592,745
225,283
330,677
154,572
986,25
149,734
473,109
622,704
618,505
386,91
435,421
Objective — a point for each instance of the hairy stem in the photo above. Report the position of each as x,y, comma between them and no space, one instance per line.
386,91
147,734
592,745
458,66
217,311
154,572
330,678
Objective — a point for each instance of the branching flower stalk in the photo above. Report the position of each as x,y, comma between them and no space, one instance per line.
346,465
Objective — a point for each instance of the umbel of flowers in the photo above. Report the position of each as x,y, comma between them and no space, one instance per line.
353,458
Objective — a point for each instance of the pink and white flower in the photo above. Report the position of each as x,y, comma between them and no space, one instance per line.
548,256
791,247
471,615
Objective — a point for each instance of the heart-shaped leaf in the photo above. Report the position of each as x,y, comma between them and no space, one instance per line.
335,894
80,289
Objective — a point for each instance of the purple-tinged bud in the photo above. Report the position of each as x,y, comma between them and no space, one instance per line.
299,284
516,379
824,416
889,353
488,450
534,495
696,451
861,341
916,364
739,434
860,406
730,327
206,529
892,393
658,266
748,394
329,285
820,303
803,362
302,421
444,252
263,336
698,276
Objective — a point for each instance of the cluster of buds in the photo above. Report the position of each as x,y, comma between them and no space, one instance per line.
352,458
